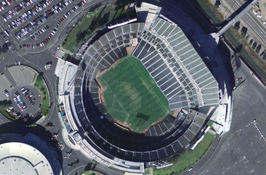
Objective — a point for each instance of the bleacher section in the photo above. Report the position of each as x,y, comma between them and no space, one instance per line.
164,139
176,67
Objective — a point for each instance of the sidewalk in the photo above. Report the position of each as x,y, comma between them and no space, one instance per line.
66,51
9,77
206,157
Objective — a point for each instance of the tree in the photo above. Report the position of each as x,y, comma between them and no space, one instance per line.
217,3
237,25
5,48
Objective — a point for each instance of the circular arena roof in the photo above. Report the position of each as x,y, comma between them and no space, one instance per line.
190,85
20,158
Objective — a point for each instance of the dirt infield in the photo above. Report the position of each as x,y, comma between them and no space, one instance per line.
123,124
99,73
176,112
122,120
134,42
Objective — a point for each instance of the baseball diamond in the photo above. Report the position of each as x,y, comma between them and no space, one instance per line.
131,95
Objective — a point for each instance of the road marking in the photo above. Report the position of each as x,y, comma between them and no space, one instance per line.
255,124
48,84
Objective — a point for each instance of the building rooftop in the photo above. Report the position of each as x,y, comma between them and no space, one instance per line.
20,158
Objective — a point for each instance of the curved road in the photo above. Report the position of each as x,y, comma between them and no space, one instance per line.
240,150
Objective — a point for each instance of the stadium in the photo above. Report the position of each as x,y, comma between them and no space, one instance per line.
136,95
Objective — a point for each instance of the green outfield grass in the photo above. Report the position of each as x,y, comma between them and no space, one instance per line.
131,95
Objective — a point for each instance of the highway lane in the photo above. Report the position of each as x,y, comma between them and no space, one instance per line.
39,60
251,21
256,25
237,17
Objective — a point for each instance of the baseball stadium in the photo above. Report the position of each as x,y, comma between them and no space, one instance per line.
137,92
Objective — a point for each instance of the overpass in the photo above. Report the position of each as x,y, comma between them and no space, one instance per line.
236,18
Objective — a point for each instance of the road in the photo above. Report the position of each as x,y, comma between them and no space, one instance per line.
240,151
251,22
37,58
237,17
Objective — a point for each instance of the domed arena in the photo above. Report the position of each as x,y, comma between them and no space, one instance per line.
27,154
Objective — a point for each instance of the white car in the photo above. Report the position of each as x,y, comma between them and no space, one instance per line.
7,93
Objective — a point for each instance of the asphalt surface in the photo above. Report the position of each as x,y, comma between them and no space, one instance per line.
31,109
251,21
36,59
240,151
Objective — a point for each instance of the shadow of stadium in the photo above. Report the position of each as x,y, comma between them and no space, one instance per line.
111,140
43,135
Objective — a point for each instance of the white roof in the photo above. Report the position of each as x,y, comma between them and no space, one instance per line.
22,159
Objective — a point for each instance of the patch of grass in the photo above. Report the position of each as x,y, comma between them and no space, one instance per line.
48,126
32,125
131,95
74,164
8,115
91,23
13,118
188,158
67,57
209,123
39,84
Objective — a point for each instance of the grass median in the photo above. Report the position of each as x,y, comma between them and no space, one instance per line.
40,85
188,158
8,115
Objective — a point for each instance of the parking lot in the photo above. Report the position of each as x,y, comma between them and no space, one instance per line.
25,100
27,21
24,97
5,85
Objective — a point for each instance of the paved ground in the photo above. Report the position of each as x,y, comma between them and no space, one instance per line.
31,109
23,75
5,85
37,59
241,150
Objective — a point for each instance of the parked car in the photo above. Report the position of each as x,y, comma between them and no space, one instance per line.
7,93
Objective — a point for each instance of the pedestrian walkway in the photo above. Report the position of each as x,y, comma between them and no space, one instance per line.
9,77
66,51
66,138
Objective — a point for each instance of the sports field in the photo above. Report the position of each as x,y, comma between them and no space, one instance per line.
131,95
